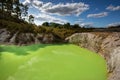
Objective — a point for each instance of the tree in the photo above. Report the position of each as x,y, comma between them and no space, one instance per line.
9,6
45,24
17,9
76,26
2,4
13,8
67,25
52,24
24,10
31,19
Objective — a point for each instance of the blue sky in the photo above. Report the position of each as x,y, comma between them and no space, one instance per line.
98,13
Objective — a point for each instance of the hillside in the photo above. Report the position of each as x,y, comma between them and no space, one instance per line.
24,33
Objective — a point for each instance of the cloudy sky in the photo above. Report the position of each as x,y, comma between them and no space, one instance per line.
98,13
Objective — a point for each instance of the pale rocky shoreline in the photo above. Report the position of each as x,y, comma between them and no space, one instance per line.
7,37
106,44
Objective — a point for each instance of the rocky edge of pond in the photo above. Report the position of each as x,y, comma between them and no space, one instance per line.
106,44
17,38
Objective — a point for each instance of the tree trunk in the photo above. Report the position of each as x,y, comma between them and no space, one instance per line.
2,10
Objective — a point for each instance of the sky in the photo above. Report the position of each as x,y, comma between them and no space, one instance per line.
96,13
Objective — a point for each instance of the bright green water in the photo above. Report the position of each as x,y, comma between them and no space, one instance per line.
50,62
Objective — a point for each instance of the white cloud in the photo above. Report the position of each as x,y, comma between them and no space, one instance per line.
113,8
48,10
84,24
33,3
47,5
114,24
87,25
66,9
43,16
37,3
59,9
27,2
47,18
98,15
79,21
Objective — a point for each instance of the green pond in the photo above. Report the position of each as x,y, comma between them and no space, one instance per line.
50,62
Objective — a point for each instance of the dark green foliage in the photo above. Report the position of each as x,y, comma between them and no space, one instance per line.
76,26
67,25
117,26
45,24
31,19
17,27
62,33
11,7
52,24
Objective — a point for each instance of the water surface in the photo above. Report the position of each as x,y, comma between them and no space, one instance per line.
50,62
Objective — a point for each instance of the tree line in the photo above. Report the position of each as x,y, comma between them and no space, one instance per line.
65,25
